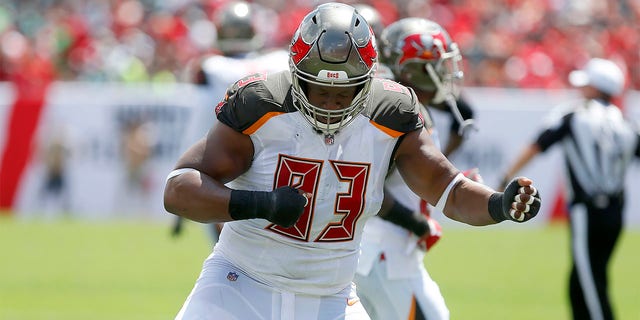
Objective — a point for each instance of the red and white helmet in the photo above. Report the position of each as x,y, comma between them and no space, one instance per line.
333,46
422,55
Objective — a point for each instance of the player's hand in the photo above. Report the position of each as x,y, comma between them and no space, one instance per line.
282,206
427,241
473,174
286,206
519,202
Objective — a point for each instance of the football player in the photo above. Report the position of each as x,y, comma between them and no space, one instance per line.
295,167
391,277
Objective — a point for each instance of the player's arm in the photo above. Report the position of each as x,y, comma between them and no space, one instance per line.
432,177
198,192
554,133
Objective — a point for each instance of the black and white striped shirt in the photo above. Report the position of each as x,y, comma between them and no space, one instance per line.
598,146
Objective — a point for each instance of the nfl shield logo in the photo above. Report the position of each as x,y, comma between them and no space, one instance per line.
329,139
232,276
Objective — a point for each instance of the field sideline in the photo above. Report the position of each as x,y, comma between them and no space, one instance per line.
135,270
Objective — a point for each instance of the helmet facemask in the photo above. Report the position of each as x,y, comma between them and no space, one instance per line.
446,75
333,47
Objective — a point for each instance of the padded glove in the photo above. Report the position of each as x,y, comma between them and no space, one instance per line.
517,203
282,206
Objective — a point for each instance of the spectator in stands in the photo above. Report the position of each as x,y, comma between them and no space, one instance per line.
507,43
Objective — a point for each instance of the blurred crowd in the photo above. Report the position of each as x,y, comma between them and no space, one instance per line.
506,43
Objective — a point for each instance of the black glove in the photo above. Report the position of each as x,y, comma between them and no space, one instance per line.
516,203
282,206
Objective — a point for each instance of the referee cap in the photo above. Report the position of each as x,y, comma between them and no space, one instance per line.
601,74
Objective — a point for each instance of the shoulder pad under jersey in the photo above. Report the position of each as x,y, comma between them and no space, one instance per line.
394,106
254,97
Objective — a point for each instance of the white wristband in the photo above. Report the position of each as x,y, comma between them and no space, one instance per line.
178,172
445,195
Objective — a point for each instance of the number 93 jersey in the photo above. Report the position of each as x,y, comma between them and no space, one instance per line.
318,255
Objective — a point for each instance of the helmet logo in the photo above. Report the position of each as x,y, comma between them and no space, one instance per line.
425,47
299,49
368,52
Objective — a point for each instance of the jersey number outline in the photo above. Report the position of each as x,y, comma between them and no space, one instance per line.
304,174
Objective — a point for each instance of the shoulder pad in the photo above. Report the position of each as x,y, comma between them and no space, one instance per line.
394,106
253,97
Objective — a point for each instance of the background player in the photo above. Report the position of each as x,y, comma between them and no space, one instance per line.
242,51
391,278
297,165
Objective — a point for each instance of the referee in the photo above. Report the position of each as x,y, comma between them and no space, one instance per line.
598,144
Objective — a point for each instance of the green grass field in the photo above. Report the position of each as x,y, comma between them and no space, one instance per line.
135,270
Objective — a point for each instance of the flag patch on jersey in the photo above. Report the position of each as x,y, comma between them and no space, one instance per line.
232,276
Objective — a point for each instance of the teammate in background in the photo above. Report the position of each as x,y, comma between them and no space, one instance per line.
295,167
242,52
598,145
391,277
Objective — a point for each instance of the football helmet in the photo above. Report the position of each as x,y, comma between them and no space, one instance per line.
372,16
333,46
237,32
421,54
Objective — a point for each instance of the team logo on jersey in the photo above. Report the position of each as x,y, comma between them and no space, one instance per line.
232,276
422,47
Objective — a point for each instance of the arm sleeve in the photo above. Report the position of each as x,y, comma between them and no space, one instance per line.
554,134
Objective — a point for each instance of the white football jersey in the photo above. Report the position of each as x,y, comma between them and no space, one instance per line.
319,254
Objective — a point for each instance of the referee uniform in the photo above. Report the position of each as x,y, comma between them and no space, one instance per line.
598,145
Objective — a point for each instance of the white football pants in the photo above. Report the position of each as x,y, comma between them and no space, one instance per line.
403,298
224,292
